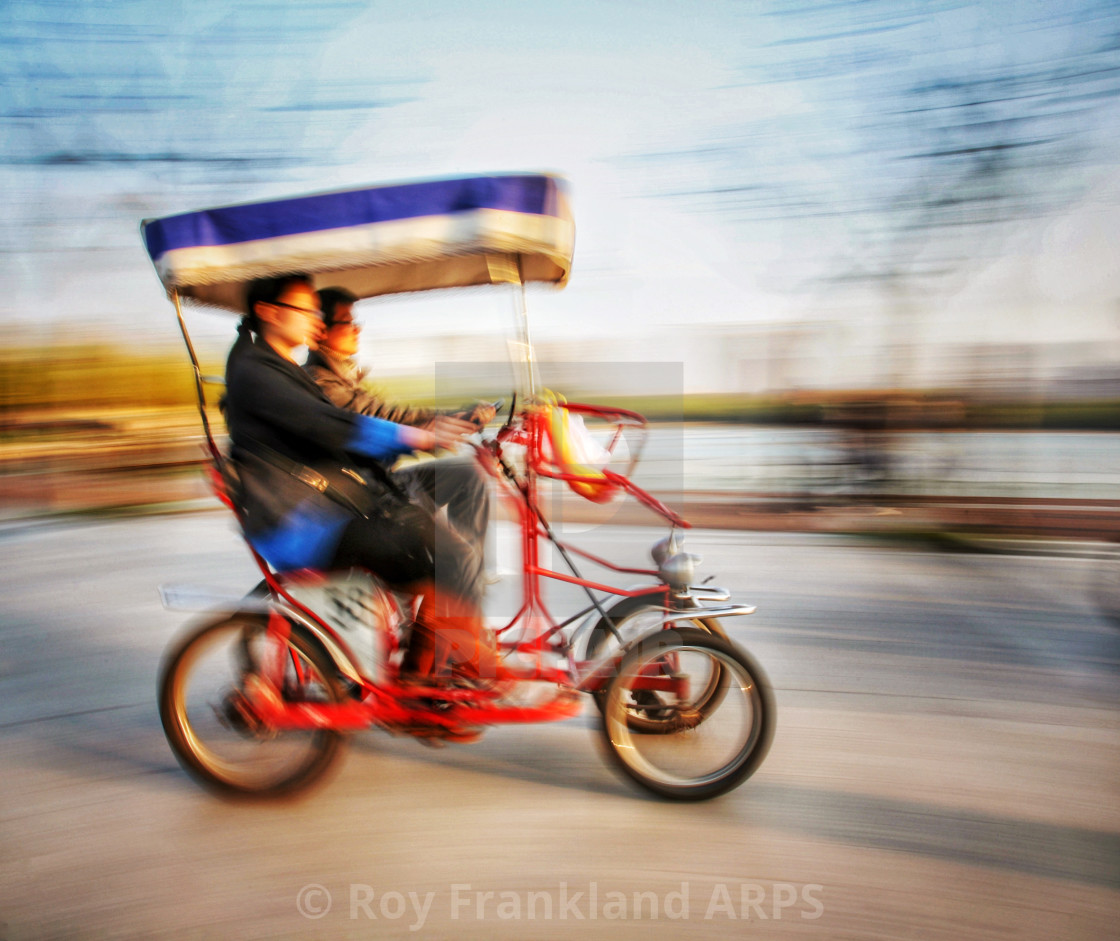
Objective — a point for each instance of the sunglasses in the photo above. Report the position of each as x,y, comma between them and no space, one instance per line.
303,310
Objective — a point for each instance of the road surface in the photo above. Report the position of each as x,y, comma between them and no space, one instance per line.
946,766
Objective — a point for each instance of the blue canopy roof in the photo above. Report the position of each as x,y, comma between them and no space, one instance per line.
376,240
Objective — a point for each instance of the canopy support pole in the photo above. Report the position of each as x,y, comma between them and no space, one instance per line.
211,445
523,338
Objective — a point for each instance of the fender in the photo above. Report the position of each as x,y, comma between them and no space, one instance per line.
595,674
335,651
188,598
581,634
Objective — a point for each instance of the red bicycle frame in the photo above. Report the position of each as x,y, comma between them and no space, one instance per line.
521,493
382,701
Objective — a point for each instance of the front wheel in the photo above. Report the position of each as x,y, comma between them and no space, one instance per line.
209,721
696,751
633,618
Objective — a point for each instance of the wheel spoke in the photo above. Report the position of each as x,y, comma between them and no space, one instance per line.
636,620
684,744
209,718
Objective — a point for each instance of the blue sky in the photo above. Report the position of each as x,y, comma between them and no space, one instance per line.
730,162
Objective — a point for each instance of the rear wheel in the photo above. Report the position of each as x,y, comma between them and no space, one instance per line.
210,724
634,618
697,750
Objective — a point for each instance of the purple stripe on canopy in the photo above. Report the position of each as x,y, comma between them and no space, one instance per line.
533,194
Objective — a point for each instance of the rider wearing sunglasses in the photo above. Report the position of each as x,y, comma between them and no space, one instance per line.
312,494
451,482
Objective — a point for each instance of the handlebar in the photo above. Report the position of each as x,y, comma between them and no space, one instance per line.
532,428
527,428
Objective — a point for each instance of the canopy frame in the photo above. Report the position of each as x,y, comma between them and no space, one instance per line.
374,241
200,382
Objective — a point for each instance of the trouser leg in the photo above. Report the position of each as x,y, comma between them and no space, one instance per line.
455,483
448,637
406,547
404,544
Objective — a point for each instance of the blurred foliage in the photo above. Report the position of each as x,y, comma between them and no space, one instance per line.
102,377
95,376
1090,415
887,410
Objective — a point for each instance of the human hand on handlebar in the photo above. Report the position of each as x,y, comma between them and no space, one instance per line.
480,414
446,431
441,432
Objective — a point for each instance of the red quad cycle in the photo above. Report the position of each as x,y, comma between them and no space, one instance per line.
259,698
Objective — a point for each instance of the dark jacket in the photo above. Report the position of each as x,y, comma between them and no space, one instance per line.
281,425
341,381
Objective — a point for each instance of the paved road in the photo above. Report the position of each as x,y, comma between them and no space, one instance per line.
946,766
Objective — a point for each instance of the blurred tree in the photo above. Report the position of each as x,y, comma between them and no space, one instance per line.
893,145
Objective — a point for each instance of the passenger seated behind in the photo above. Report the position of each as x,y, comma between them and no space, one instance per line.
452,482
287,438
